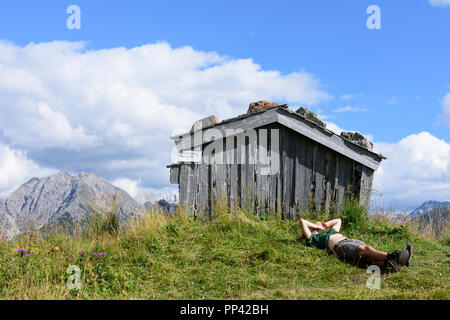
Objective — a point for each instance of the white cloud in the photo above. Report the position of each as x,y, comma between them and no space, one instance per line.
112,111
47,128
437,3
16,168
417,169
128,185
141,194
446,108
392,101
347,96
334,127
350,109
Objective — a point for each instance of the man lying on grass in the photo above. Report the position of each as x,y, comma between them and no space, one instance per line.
352,250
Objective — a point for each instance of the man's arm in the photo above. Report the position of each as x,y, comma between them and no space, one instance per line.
336,224
307,226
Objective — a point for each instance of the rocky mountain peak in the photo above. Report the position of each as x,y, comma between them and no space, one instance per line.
427,206
63,198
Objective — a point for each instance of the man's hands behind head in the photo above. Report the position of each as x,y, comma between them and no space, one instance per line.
320,225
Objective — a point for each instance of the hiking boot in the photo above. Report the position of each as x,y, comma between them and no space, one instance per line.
410,249
393,260
398,258
403,257
391,266
393,255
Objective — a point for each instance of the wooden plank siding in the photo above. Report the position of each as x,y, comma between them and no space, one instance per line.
366,186
312,177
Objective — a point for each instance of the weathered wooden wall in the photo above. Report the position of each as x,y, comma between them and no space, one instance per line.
311,176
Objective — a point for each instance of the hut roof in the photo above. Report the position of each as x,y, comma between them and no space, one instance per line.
283,115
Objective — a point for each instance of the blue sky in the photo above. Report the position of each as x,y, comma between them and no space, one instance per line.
393,82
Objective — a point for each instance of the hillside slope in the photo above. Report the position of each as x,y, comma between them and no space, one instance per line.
234,256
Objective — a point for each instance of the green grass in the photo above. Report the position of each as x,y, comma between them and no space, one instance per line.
232,256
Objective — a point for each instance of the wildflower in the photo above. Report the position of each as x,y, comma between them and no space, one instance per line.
30,255
101,255
21,250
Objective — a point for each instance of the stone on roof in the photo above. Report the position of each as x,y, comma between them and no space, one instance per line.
305,112
357,138
204,123
260,105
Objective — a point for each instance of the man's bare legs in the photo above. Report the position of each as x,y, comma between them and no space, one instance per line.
371,254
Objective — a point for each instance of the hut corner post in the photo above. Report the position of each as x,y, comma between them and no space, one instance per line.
366,187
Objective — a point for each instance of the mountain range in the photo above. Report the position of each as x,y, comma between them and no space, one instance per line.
62,199
427,207
432,217
436,221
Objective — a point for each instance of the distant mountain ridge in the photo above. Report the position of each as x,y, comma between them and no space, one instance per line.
437,221
162,205
427,207
61,199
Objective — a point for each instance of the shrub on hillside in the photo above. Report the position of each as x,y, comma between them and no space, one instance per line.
354,216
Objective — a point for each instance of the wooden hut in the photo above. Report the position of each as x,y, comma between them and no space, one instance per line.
304,164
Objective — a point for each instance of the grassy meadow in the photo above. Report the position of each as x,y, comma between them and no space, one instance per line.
230,256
